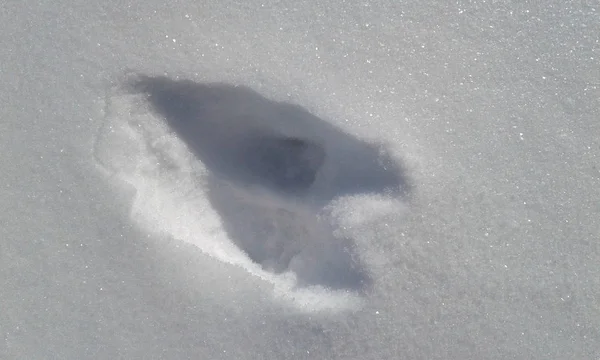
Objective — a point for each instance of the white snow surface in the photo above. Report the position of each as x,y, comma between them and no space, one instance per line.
110,246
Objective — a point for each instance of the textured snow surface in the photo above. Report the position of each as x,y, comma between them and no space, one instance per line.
300,180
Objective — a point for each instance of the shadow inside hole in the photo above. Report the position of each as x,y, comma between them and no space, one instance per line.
273,167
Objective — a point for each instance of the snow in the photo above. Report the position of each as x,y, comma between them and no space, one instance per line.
120,239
